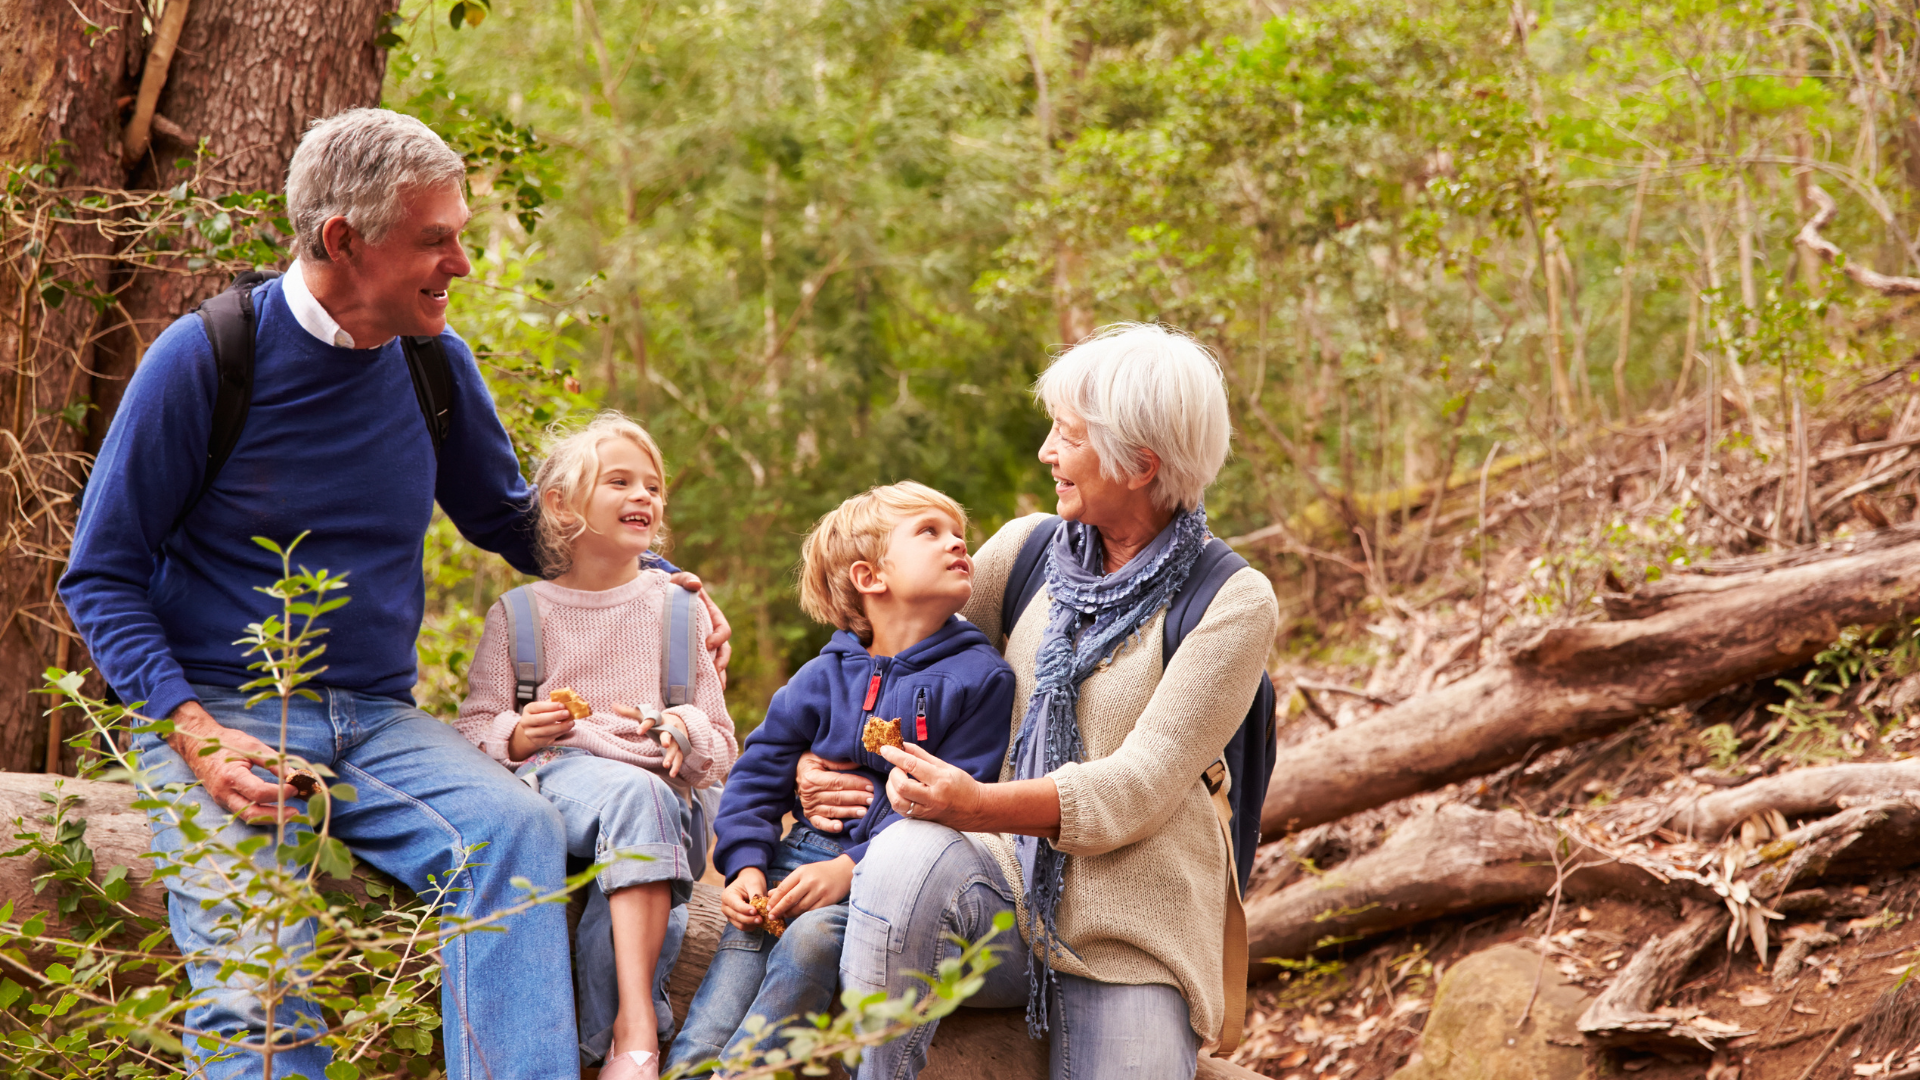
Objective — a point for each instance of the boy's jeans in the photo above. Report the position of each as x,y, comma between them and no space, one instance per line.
756,974
612,809
425,794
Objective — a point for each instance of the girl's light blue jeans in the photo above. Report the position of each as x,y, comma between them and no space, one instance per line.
756,974
921,882
631,823
425,796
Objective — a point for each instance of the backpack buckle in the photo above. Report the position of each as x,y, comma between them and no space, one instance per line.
1215,776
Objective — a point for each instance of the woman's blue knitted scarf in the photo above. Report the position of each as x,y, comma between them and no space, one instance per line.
1089,619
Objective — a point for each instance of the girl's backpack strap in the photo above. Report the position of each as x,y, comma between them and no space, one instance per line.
523,635
676,660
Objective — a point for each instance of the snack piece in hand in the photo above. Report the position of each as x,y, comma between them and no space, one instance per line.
764,906
577,706
879,733
304,783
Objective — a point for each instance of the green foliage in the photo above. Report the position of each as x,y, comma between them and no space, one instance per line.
1721,744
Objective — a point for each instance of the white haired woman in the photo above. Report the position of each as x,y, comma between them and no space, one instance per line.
1101,836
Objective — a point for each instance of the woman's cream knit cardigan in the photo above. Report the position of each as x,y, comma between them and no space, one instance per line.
1145,888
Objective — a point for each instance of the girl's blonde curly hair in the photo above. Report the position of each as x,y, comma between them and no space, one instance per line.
567,474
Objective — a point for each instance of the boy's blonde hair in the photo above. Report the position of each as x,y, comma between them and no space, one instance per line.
857,531
569,471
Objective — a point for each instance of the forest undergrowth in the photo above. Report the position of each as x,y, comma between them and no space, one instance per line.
1561,536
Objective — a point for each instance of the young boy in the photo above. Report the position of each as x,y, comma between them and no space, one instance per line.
889,568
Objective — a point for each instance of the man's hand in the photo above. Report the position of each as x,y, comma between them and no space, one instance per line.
829,793
540,724
226,774
719,639
814,885
736,900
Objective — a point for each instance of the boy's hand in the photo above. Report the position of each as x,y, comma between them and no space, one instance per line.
736,900
540,724
814,885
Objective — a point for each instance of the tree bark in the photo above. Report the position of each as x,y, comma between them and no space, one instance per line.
1799,793
1574,683
245,77
59,90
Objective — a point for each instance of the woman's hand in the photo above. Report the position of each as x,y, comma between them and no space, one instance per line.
736,900
925,788
540,724
814,885
830,793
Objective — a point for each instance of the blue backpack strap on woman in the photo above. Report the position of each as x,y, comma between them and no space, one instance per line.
1250,755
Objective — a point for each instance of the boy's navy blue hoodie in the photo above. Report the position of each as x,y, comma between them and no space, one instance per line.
954,680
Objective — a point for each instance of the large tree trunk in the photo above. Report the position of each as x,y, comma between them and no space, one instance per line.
247,78
57,86
1578,682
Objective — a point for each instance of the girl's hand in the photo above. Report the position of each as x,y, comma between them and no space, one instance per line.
830,792
540,724
925,788
814,885
736,900
670,753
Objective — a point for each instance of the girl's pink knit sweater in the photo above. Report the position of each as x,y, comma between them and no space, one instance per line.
606,646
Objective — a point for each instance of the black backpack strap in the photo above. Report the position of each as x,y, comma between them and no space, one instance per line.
1250,754
1023,583
1217,563
229,322
432,384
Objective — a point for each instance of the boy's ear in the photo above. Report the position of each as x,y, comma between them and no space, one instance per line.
866,579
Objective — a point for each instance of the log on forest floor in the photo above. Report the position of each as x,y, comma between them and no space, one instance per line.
971,1044
1570,684
1456,859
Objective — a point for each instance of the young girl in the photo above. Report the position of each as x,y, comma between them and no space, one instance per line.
619,777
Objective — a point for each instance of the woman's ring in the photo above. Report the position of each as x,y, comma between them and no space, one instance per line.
911,807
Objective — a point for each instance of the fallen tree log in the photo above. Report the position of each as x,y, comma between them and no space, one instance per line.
1453,860
1625,1013
970,1044
1799,793
1575,683
1456,859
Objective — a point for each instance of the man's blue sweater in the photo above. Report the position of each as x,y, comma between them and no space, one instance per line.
335,443
951,692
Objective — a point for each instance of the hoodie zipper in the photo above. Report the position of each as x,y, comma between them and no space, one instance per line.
873,684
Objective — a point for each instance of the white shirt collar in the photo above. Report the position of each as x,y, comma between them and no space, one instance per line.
307,310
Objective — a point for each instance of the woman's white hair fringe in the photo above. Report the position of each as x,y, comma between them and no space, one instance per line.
1143,386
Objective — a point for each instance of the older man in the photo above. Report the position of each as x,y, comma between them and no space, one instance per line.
164,572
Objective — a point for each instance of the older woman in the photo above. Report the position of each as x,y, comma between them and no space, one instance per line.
1101,837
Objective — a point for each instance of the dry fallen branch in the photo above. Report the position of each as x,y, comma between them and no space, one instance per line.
1575,683
1799,793
1624,1012
1809,237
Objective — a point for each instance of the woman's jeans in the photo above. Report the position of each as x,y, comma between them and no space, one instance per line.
630,822
920,882
753,973
426,800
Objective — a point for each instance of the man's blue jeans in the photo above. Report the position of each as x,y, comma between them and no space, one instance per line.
921,882
425,796
611,811
756,974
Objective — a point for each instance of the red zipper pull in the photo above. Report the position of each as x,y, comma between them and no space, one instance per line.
920,725
873,693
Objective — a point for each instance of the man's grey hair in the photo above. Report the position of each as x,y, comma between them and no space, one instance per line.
362,164
1141,386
